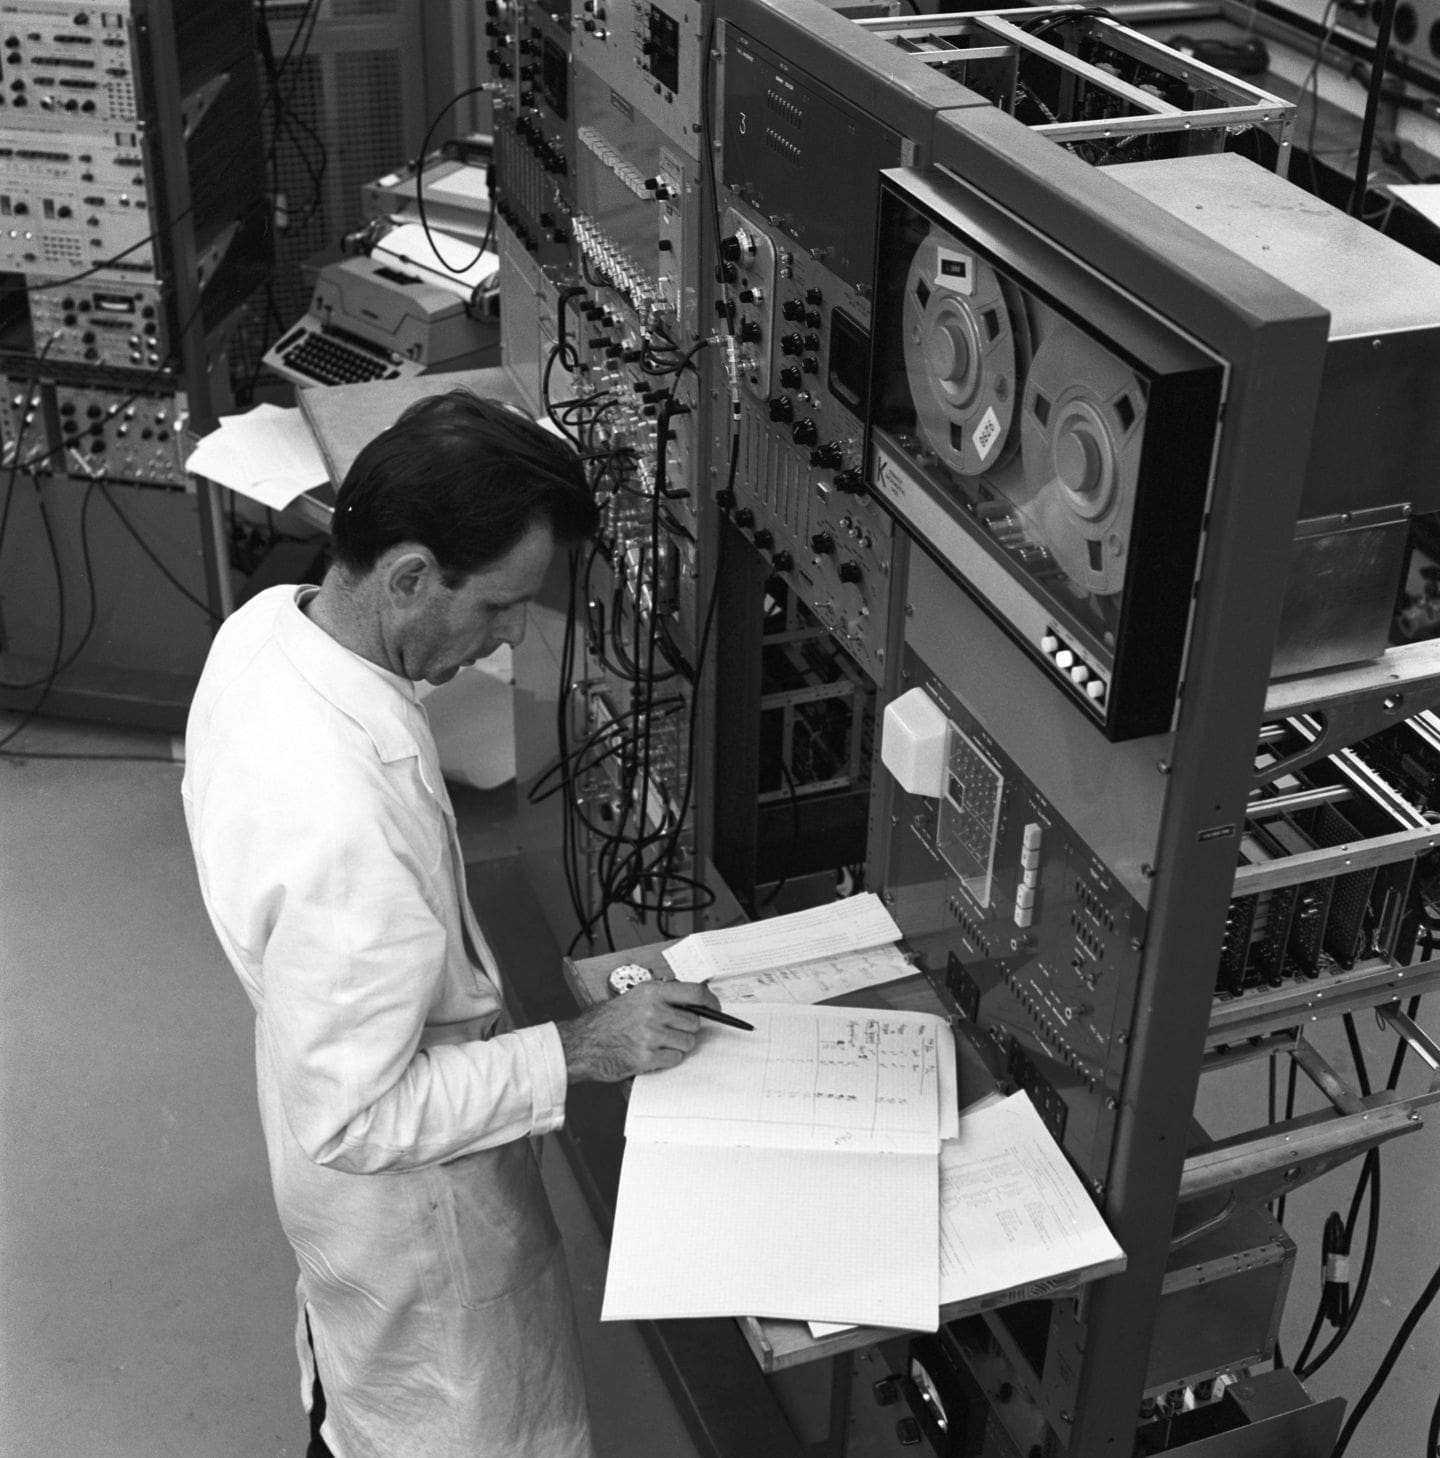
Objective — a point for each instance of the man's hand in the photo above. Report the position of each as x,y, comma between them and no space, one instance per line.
649,1027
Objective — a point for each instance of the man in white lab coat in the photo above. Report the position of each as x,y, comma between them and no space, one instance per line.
397,1099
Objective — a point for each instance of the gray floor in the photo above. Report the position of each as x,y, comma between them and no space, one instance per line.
145,1288
146,1291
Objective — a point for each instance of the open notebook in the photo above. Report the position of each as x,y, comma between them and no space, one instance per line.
792,1171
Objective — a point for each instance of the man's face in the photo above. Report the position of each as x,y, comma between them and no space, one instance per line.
450,628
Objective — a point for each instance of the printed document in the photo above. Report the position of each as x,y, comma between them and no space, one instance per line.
1015,1220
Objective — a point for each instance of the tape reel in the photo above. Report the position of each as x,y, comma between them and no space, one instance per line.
965,347
1081,431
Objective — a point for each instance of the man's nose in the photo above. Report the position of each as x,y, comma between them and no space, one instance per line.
510,625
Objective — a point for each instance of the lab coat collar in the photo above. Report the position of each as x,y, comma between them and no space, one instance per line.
385,705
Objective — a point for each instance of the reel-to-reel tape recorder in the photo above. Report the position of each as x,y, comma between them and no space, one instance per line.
1047,437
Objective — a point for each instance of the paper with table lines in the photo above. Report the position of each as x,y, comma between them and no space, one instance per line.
806,1078
789,1172
1015,1220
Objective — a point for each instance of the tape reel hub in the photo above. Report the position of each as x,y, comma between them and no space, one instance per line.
965,350
952,350
1084,459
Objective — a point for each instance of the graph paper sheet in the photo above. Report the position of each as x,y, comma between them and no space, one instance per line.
789,1172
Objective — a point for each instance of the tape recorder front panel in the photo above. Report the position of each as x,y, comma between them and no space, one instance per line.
1048,437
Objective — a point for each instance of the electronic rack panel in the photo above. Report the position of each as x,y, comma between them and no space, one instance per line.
598,193
796,241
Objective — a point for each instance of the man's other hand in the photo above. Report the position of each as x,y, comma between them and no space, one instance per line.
649,1027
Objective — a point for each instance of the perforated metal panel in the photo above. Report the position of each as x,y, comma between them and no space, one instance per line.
354,100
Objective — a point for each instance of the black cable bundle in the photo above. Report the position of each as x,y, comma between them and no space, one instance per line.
1335,1265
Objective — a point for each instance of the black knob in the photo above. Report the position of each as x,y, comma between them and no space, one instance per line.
793,309
851,480
725,500
730,249
814,296
887,1391
827,456
791,344
790,377
805,432
810,364
750,332
851,571
782,561
822,544
764,538
726,273
812,341
782,408
744,517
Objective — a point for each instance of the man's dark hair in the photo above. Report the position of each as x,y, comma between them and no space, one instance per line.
465,477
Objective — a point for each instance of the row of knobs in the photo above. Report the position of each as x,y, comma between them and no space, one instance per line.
821,543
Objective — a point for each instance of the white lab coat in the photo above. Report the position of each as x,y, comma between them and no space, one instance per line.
395,1098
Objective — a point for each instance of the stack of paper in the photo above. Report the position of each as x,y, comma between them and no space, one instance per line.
788,1172
267,454
808,956
816,1169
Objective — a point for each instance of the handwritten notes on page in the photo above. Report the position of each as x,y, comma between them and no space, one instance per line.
806,1078
847,925
788,1172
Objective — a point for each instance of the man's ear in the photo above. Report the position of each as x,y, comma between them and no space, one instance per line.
410,573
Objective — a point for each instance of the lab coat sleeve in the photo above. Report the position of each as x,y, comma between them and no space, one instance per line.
344,915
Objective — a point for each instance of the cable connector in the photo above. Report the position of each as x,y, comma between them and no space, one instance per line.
1335,1271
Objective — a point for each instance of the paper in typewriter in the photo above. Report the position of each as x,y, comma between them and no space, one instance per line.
789,1172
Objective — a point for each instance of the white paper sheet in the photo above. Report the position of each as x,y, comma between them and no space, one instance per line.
1424,197
453,263
806,1078
847,925
268,454
775,1232
818,979
1015,1221
1013,1213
